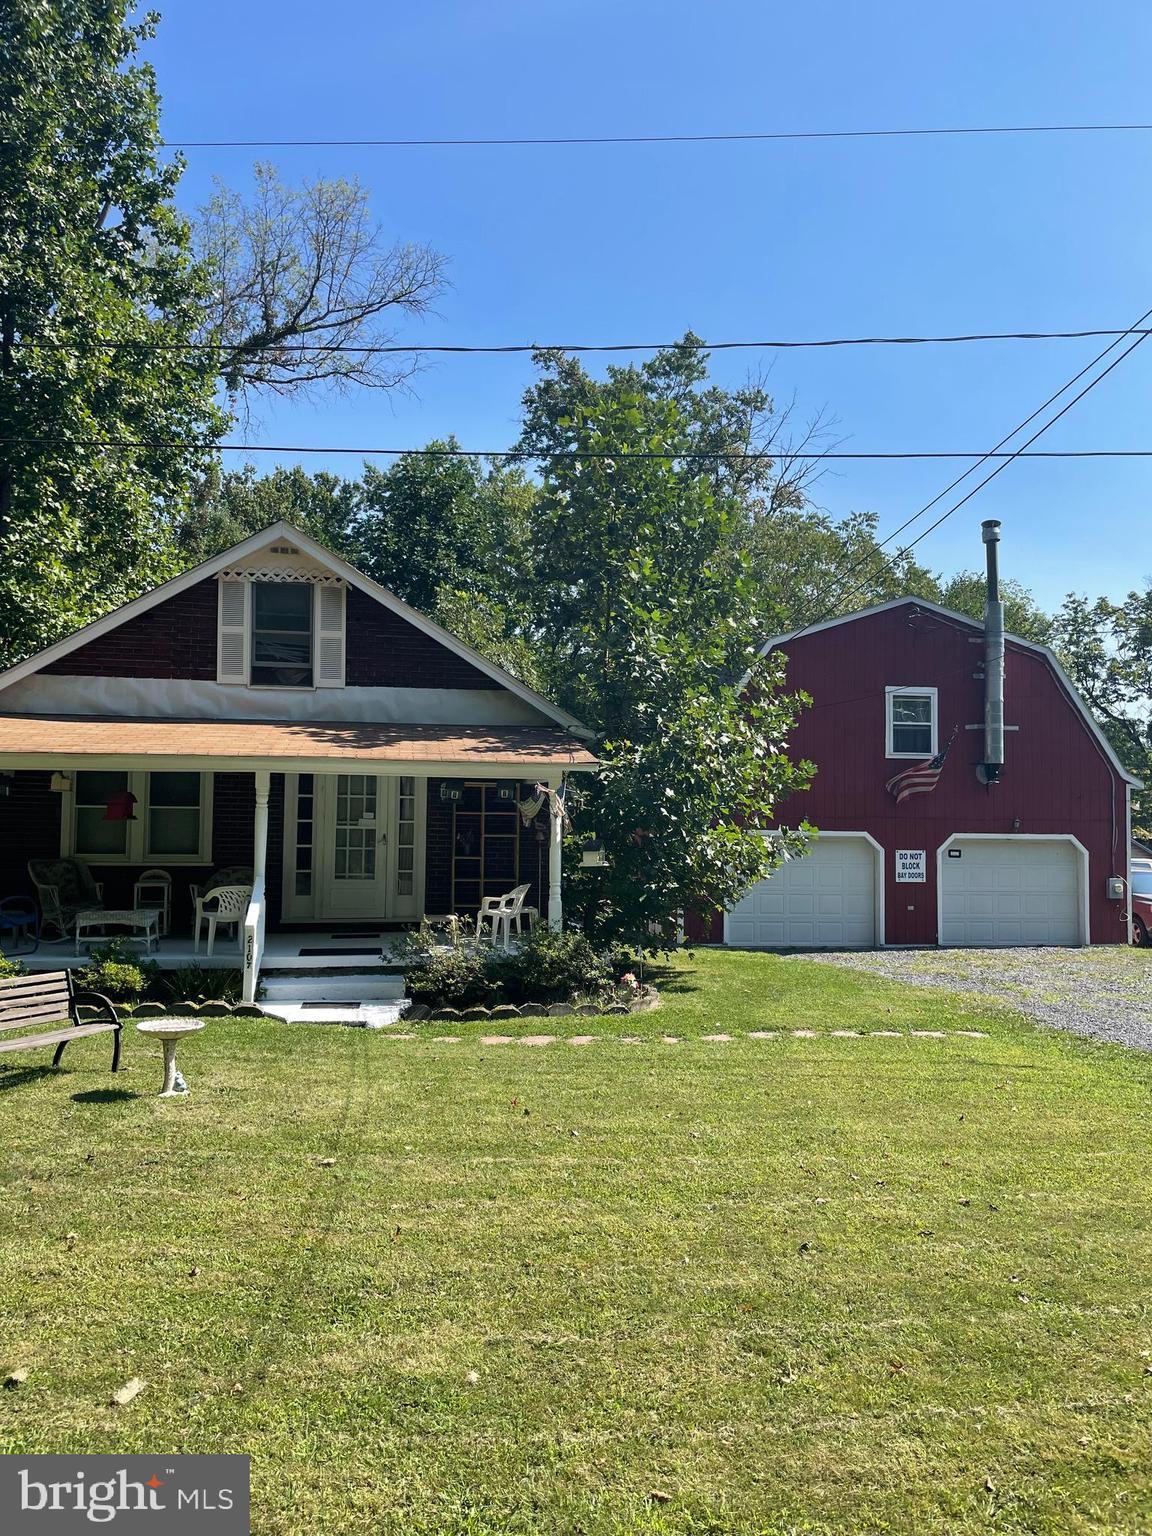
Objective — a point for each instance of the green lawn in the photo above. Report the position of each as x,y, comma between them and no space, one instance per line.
811,1285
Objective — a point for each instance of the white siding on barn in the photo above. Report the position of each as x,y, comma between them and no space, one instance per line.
1011,891
824,900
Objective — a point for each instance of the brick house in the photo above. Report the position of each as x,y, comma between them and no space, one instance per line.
275,709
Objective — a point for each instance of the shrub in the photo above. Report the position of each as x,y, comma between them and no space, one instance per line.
11,967
116,970
448,969
194,983
551,966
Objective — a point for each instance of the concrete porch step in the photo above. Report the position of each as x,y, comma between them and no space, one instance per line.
379,1015
350,986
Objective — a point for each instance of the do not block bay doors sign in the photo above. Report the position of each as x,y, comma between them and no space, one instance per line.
911,864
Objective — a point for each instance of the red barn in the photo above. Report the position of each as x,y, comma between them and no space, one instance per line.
1038,856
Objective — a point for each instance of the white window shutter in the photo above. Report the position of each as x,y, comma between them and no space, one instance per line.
232,631
330,636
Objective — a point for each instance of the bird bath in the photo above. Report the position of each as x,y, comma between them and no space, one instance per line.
168,1032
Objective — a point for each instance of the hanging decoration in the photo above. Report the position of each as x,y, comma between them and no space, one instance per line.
557,803
118,807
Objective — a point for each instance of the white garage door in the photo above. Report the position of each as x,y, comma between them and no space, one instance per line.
825,900
1005,891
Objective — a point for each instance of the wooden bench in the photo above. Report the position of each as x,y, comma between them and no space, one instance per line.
47,997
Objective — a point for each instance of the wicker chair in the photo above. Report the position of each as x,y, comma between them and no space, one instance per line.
64,887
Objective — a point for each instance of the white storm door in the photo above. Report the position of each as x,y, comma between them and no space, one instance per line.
353,851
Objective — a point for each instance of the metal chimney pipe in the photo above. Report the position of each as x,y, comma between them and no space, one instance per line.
993,658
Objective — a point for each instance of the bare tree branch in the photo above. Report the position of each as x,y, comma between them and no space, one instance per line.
299,273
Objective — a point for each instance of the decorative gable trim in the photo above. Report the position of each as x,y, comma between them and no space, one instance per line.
233,559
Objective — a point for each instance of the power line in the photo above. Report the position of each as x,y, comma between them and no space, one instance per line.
100,345
663,138
711,456
1135,330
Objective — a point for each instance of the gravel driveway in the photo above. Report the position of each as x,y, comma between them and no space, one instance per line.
1104,991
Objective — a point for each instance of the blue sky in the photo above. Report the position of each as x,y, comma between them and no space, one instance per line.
796,239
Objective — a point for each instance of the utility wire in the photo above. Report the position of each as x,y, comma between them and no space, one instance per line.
532,454
100,345
662,138
1135,330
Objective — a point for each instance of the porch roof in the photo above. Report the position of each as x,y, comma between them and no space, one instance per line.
54,741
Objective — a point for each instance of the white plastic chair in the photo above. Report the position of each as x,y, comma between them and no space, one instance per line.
501,912
223,906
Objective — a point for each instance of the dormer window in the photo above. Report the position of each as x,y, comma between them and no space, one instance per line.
911,724
281,634
280,631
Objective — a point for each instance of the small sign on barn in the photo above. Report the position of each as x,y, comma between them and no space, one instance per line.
910,866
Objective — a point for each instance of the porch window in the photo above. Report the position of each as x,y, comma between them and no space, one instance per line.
281,634
94,836
911,727
172,818
173,814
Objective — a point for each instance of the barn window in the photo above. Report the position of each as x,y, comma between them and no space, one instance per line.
911,727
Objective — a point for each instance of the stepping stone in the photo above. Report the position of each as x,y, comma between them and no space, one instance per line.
762,1034
845,1034
715,1037
582,1039
391,1036
928,1034
444,1039
495,1039
631,1040
804,1034
885,1034
536,1039
670,1039
971,1034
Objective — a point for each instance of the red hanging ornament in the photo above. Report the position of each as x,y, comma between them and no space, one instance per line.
119,806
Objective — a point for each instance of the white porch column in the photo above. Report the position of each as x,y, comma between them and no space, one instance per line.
555,862
260,826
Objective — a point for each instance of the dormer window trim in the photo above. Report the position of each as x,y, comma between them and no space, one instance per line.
236,631
903,737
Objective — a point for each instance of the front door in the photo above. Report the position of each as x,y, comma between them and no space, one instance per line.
353,866
352,847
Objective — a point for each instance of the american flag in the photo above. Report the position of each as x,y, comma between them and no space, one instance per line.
922,779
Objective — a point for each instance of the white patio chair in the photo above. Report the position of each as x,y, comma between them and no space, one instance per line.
501,912
224,906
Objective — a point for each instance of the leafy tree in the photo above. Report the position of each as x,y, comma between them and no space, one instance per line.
99,299
642,611
299,273
1107,649
965,592
233,504
430,523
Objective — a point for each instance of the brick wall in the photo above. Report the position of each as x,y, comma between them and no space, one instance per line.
177,638
29,829
438,856
385,651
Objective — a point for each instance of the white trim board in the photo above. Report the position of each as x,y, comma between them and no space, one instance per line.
162,698
354,578
1083,904
960,618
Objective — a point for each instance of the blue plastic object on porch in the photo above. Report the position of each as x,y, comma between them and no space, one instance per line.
20,915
